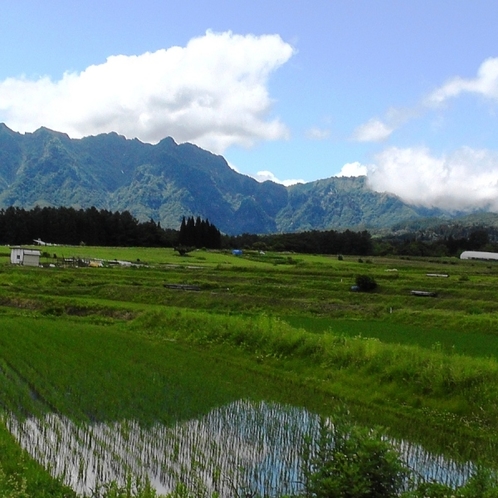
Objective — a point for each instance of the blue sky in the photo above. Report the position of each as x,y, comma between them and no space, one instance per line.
403,91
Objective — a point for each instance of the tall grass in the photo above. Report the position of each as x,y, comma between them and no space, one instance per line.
409,373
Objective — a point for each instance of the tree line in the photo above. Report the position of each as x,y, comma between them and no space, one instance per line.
199,233
71,226
66,225
411,244
63,225
311,242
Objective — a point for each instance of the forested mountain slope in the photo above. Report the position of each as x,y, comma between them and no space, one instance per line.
167,181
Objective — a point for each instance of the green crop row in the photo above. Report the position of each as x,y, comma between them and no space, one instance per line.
118,343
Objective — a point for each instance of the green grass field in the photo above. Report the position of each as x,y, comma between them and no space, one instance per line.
130,343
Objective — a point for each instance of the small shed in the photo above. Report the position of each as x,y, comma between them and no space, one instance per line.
25,257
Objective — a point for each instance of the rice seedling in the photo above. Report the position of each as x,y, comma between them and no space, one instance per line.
238,448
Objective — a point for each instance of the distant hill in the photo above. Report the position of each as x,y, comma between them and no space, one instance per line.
458,227
167,181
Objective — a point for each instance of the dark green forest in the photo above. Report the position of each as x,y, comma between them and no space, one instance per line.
69,226
198,233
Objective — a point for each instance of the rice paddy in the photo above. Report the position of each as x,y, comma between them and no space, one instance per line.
240,448
140,370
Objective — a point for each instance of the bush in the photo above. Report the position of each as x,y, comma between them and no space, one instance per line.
352,462
365,283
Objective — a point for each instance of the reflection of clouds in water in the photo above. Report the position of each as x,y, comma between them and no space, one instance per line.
243,444
246,445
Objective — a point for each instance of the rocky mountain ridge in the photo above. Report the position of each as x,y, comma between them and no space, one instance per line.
167,181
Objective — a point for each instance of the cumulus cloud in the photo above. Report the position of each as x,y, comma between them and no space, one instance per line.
263,176
485,84
316,133
353,169
212,92
463,180
373,131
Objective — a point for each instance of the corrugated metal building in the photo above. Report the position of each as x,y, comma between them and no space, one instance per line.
25,257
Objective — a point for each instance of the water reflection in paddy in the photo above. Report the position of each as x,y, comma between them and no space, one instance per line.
239,447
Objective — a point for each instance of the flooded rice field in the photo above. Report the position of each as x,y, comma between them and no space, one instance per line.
243,447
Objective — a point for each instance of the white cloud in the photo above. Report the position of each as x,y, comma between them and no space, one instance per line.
373,131
213,92
485,84
263,176
353,169
464,180
316,133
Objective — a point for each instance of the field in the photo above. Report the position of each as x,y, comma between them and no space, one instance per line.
171,338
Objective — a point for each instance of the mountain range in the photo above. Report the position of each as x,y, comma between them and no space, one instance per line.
167,181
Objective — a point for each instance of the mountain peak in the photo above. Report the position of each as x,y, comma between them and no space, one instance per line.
167,181
44,131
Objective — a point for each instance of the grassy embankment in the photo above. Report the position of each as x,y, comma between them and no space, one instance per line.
70,335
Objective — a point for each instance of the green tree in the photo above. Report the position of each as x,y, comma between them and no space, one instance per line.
199,233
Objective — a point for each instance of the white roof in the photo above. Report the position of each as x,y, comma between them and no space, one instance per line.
31,252
478,255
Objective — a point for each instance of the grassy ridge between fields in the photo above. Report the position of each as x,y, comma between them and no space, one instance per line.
427,383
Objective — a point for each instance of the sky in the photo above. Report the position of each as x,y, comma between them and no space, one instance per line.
405,92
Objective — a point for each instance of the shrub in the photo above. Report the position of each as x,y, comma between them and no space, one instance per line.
352,462
365,283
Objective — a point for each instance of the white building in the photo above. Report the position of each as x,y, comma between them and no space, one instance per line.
25,257
479,255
